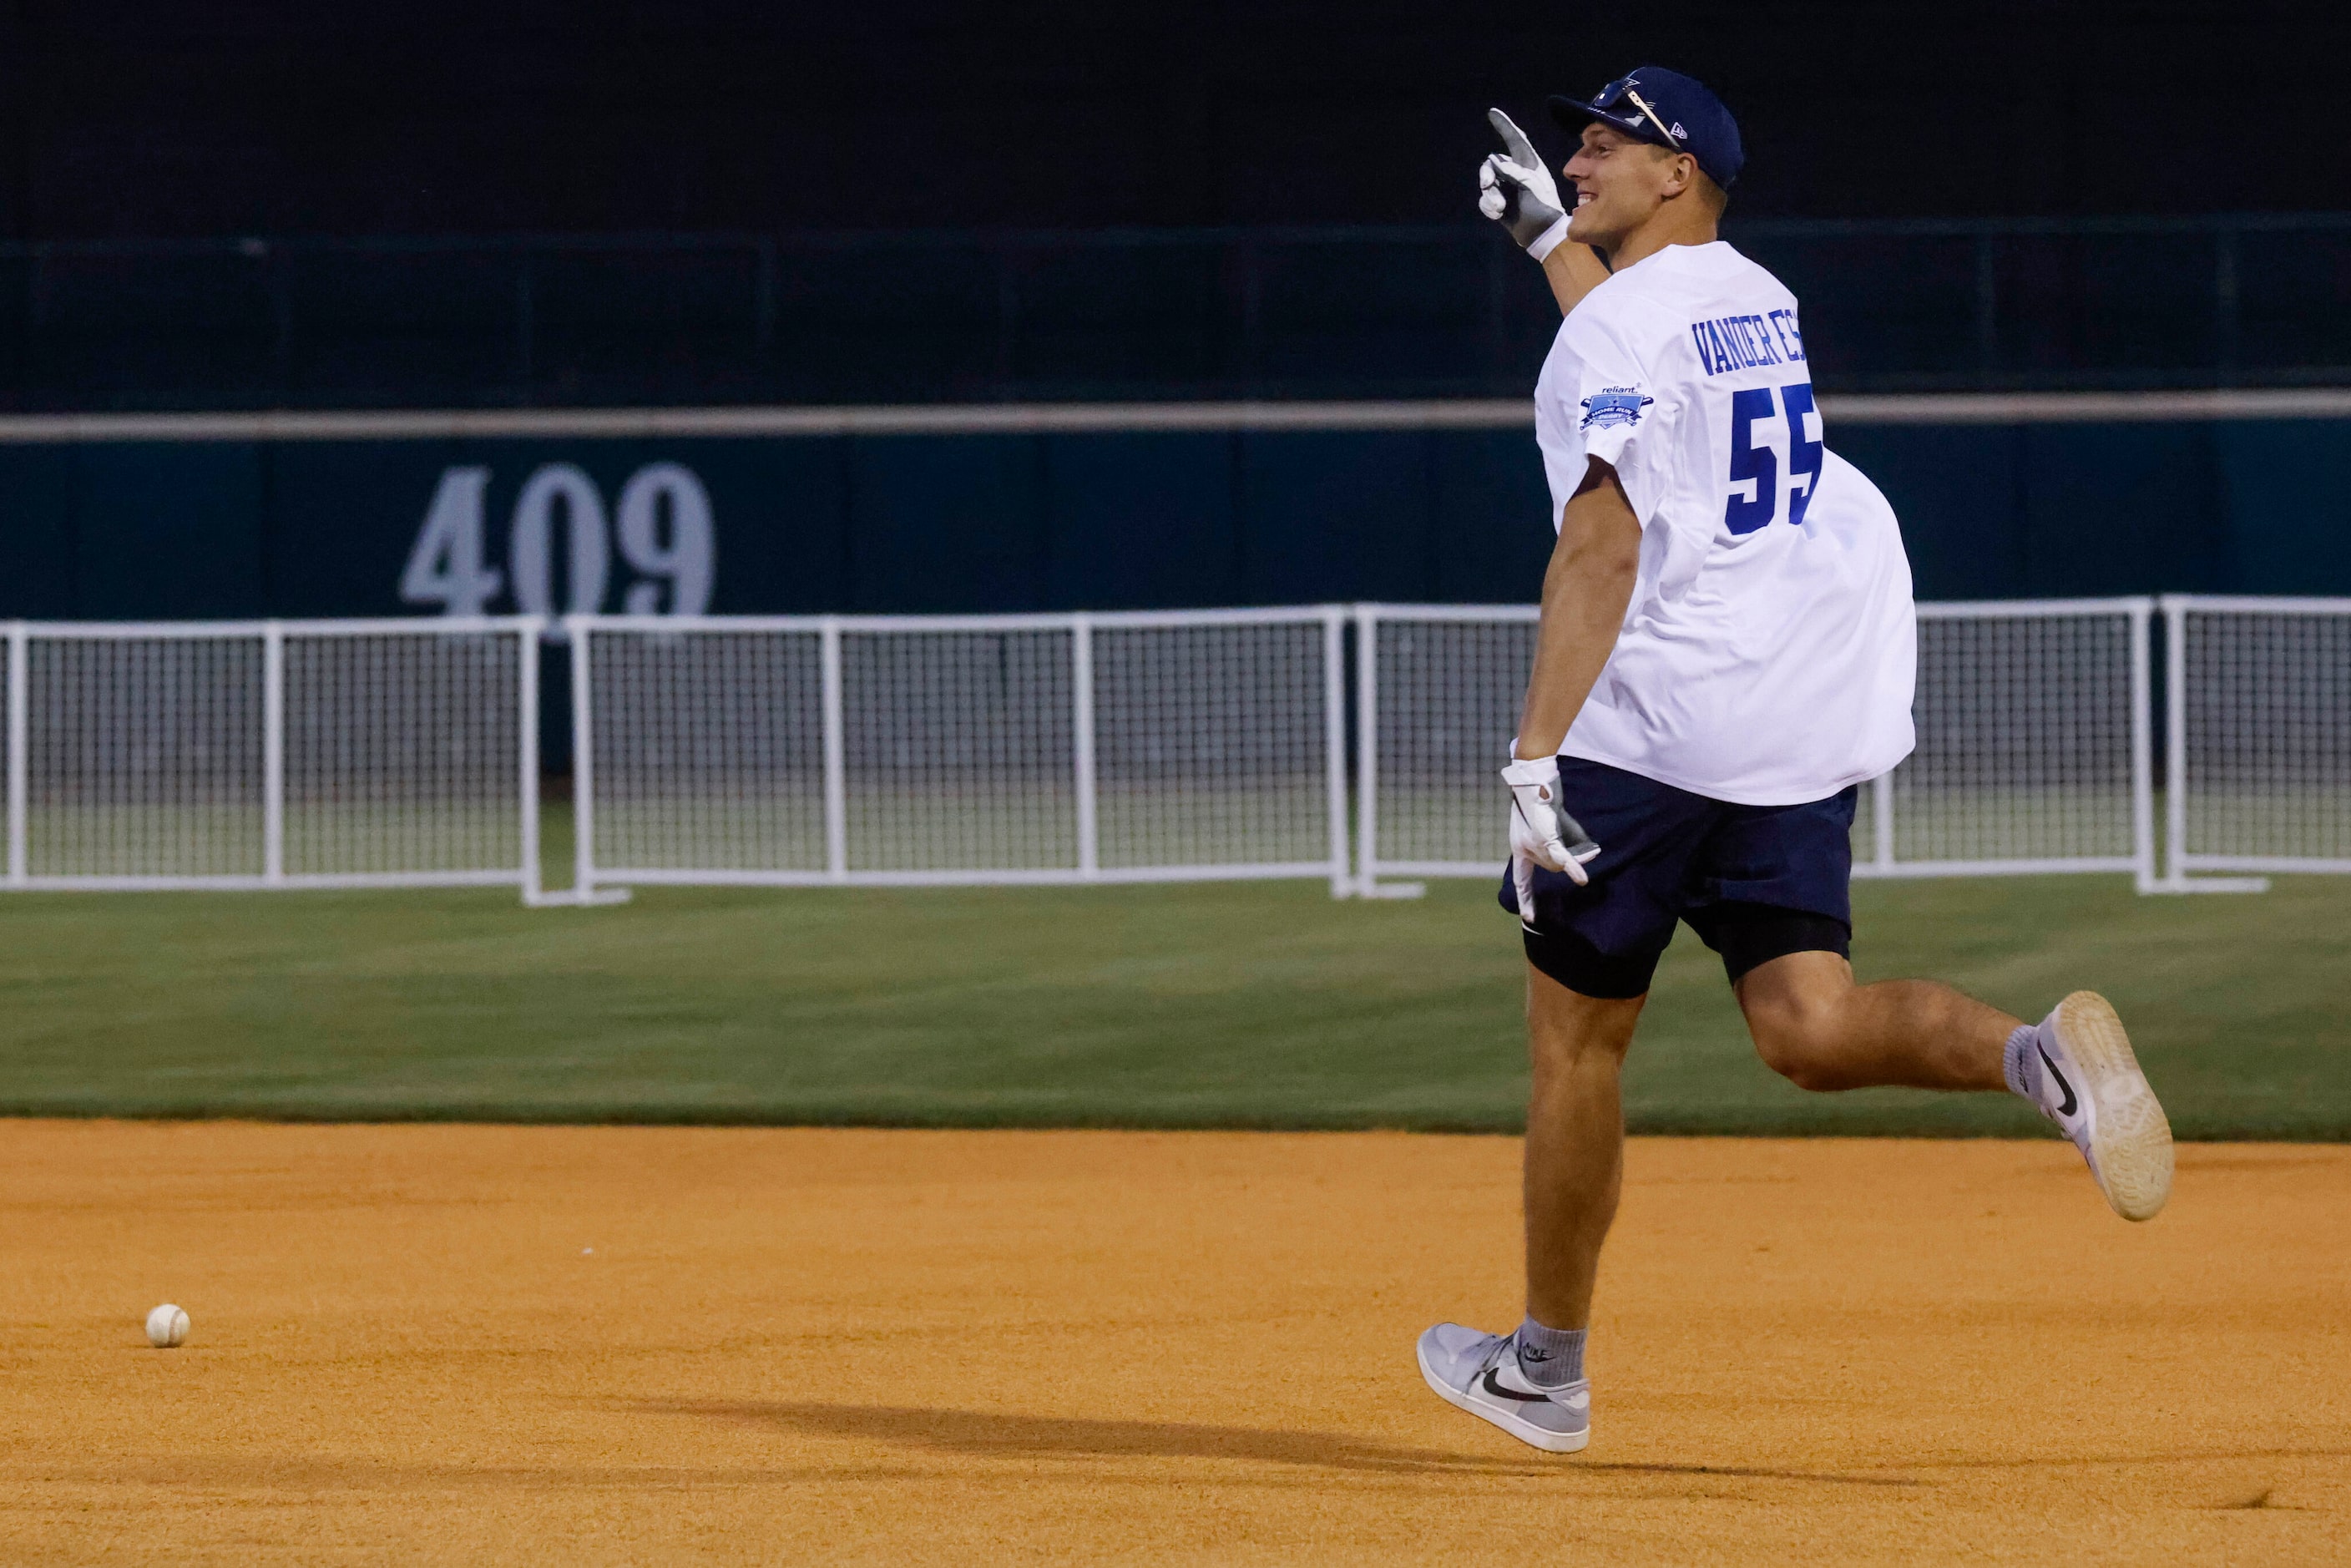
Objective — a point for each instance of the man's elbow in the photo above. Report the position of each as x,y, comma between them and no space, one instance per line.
1620,553
1600,557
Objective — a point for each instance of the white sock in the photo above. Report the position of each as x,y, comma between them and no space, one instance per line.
1549,1357
2021,1063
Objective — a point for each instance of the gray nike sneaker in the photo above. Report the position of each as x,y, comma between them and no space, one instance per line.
2091,1086
1480,1373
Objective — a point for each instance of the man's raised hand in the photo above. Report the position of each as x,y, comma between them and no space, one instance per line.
1541,833
1516,190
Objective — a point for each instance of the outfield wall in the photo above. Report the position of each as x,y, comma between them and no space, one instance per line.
1014,508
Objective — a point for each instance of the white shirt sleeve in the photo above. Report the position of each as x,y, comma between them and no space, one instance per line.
1623,413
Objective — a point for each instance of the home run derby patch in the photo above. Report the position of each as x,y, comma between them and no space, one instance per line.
1615,405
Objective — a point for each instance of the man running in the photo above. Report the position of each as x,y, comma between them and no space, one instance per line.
1727,649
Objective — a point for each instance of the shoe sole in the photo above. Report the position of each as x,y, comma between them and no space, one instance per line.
1534,1437
2130,1138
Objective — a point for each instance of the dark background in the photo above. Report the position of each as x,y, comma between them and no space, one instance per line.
261,204
257,204
272,117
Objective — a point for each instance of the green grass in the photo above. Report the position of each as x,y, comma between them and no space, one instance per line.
1229,1005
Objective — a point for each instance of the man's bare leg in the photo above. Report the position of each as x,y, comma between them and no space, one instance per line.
1575,1143
1818,1030
1530,1380
1814,1026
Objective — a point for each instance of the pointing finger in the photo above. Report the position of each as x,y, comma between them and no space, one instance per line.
1513,139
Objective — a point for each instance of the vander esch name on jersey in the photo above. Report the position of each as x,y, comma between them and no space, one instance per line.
1745,342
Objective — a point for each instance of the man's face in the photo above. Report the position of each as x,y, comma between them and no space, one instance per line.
1619,183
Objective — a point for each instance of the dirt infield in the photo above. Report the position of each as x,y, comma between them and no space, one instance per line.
798,1345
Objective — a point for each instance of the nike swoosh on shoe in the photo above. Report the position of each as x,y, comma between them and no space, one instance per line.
1493,1385
2071,1104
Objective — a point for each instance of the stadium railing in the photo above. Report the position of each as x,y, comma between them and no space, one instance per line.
2034,751
898,751
1073,748
2258,738
273,753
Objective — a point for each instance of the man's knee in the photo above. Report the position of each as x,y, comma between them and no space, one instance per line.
1796,1052
1554,1052
1566,1029
1793,1007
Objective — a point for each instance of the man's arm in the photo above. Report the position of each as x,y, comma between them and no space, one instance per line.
1573,271
1585,591
1516,190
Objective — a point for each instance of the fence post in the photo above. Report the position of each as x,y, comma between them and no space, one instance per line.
1334,742
2175,607
836,784
273,752
1081,734
2175,739
2142,755
527,745
1367,794
20,642
583,764
1881,819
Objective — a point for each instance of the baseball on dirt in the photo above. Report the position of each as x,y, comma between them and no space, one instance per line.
167,1326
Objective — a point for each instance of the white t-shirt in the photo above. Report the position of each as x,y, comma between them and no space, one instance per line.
1769,650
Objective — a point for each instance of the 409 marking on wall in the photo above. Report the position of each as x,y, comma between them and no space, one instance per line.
662,524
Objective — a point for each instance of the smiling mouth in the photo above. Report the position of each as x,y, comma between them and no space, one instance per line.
1582,198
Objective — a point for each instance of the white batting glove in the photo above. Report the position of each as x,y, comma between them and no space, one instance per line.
1516,190
1541,834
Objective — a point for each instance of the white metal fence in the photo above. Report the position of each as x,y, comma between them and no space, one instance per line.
1437,691
2033,742
1088,747
258,754
2258,770
956,749
2034,749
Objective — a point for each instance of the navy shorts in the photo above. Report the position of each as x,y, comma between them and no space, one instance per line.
1755,883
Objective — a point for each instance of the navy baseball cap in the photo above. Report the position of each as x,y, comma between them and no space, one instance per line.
1664,108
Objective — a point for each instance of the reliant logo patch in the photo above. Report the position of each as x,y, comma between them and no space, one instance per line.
1615,405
